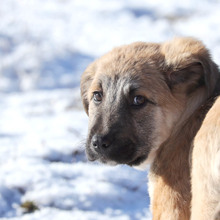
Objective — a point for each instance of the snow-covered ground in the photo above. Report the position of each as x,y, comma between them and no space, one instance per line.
44,47
42,160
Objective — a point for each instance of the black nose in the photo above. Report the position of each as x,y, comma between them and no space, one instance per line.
99,142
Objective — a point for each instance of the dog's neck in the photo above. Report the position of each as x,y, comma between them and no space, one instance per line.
170,170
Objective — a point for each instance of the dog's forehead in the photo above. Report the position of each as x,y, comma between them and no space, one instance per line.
119,84
129,59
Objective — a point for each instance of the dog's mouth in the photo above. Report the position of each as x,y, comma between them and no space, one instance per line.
101,158
91,156
137,161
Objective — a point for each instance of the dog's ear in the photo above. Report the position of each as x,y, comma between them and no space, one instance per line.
86,80
188,65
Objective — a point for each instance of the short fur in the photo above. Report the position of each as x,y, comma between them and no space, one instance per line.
178,80
206,167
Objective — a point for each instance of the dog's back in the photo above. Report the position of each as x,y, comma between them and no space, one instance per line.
206,167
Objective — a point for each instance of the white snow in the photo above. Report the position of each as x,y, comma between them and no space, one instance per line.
42,135
44,47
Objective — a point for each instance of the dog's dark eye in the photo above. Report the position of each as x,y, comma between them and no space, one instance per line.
138,100
97,97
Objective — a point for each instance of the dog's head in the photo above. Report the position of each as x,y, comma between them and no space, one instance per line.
138,94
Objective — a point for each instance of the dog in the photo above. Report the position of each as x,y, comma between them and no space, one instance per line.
146,103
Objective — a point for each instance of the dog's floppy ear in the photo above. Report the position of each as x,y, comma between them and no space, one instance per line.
85,83
188,65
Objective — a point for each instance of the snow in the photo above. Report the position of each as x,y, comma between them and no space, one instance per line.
45,45
42,159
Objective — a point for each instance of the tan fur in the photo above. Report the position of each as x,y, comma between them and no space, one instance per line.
206,166
171,168
171,172
180,77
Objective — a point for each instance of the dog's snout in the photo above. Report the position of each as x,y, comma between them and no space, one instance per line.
99,142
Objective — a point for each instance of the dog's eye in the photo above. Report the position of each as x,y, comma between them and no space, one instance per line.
138,100
97,97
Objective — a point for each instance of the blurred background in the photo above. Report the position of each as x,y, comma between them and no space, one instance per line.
45,45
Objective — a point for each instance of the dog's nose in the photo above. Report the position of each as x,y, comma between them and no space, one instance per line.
99,142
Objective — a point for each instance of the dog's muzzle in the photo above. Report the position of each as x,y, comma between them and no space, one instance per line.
120,151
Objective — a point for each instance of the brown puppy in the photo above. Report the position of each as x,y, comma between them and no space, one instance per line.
144,105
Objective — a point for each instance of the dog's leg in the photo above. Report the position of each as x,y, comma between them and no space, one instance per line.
167,203
169,181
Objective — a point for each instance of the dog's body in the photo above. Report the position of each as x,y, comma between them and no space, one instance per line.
146,103
206,167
